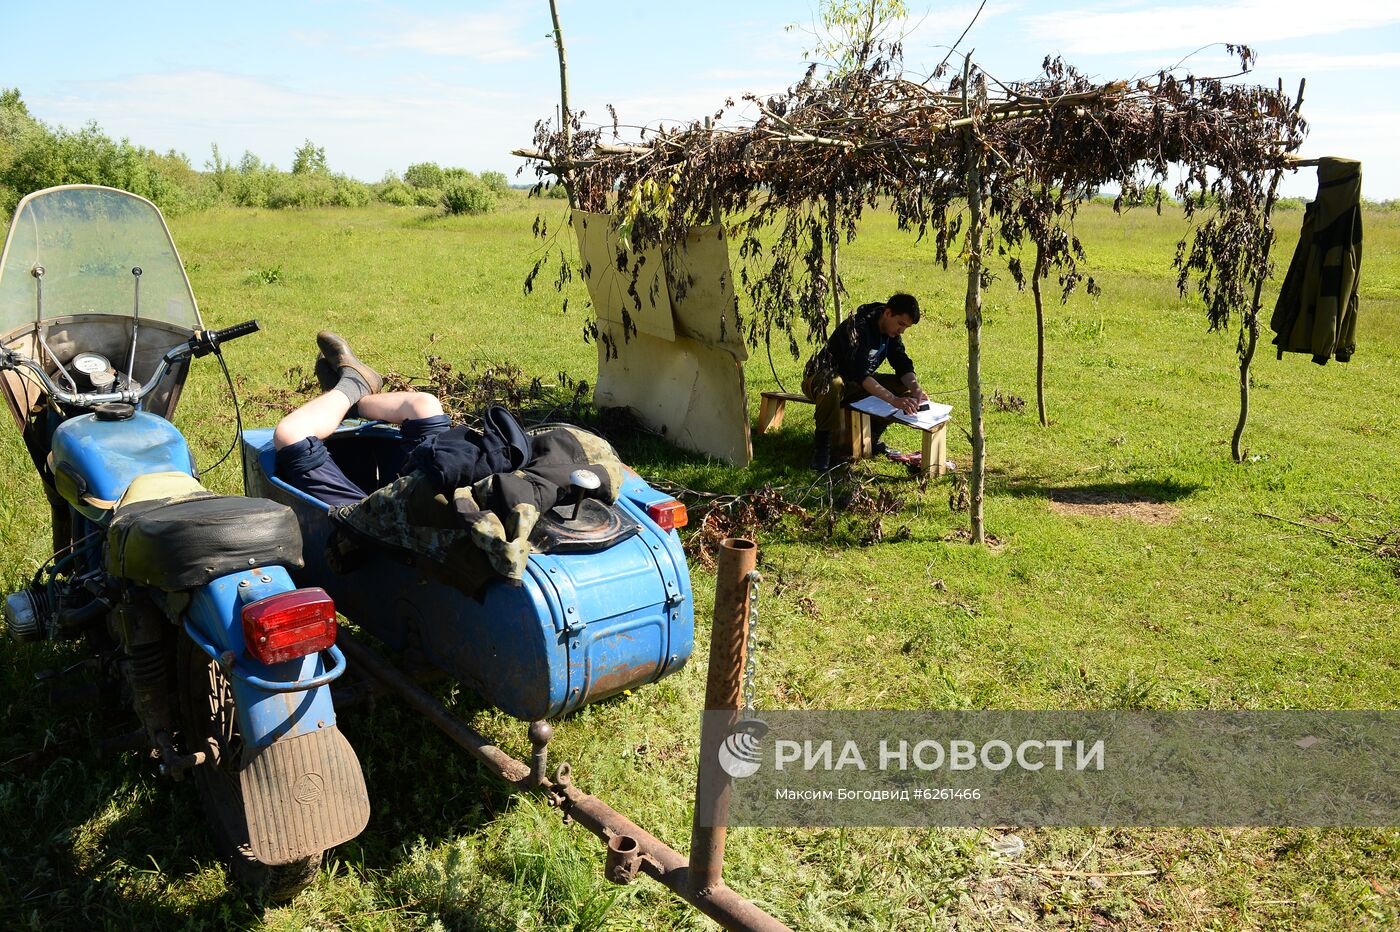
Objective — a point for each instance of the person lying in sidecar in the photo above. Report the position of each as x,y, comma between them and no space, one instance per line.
467,499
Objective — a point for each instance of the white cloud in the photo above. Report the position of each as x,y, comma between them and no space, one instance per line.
483,37
1113,28
1311,62
412,120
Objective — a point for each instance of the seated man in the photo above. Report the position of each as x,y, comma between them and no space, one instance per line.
843,370
303,460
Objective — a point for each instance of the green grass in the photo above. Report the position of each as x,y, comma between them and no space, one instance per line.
1220,608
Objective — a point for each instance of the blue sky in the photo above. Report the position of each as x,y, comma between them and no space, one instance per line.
381,85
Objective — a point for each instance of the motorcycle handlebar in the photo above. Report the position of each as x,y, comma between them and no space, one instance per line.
201,344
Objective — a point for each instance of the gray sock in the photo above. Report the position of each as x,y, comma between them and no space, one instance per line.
352,385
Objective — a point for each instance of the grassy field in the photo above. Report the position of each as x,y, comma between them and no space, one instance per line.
1212,605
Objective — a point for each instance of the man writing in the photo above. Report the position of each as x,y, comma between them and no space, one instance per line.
843,370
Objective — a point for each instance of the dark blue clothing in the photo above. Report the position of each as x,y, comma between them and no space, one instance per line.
462,455
307,464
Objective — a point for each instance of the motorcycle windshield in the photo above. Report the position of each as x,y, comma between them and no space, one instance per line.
87,240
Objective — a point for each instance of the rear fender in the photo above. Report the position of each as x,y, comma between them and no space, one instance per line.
267,711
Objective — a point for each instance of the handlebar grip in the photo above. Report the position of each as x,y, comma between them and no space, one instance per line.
208,341
234,332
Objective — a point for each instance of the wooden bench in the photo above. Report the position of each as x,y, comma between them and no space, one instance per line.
857,431
771,408
935,457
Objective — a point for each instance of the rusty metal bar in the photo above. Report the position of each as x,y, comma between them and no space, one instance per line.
647,854
724,692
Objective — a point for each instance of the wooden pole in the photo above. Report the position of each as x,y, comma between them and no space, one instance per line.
1039,334
972,308
565,122
833,239
1251,319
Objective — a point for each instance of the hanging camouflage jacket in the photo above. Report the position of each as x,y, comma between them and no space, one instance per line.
1317,304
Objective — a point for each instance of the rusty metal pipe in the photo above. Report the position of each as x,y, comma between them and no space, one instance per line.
724,691
624,859
497,761
655,858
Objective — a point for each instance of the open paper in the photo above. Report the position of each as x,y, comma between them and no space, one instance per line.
930,415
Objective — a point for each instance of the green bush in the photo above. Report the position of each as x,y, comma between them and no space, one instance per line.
33,156
424,175
348,192
307,190
395,192
468,194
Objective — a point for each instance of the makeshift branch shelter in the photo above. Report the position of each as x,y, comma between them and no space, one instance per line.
976,167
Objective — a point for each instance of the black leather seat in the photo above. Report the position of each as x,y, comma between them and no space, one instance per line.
190,541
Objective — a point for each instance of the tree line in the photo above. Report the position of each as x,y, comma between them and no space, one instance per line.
34,155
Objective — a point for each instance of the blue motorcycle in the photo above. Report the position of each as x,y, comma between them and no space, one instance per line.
184,596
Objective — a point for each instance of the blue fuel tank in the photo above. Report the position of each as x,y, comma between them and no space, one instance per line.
581,627
95,460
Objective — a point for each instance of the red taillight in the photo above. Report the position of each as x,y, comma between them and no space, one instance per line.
668,515
289,625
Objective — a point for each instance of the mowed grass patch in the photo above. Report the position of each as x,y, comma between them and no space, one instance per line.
1218,608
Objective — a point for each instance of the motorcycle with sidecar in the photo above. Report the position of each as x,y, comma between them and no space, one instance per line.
217,614
183,596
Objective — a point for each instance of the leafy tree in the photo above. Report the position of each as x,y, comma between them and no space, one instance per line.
309,159
10,100
850,32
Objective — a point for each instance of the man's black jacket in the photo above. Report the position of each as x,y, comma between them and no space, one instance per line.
855,351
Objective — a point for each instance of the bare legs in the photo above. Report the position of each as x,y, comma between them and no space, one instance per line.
320,417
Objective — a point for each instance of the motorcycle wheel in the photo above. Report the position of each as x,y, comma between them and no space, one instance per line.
209,710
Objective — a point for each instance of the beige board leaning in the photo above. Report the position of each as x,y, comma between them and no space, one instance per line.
686,383
702,291
645,301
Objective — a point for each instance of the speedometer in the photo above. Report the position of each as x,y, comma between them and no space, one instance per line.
89,363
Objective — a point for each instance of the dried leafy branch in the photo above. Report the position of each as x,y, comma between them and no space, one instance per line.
873,135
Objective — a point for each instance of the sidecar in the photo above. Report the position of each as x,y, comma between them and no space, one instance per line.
593,617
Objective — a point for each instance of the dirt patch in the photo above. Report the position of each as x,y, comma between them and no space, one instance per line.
1101,503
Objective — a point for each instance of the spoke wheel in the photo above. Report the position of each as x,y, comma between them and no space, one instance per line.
210,716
